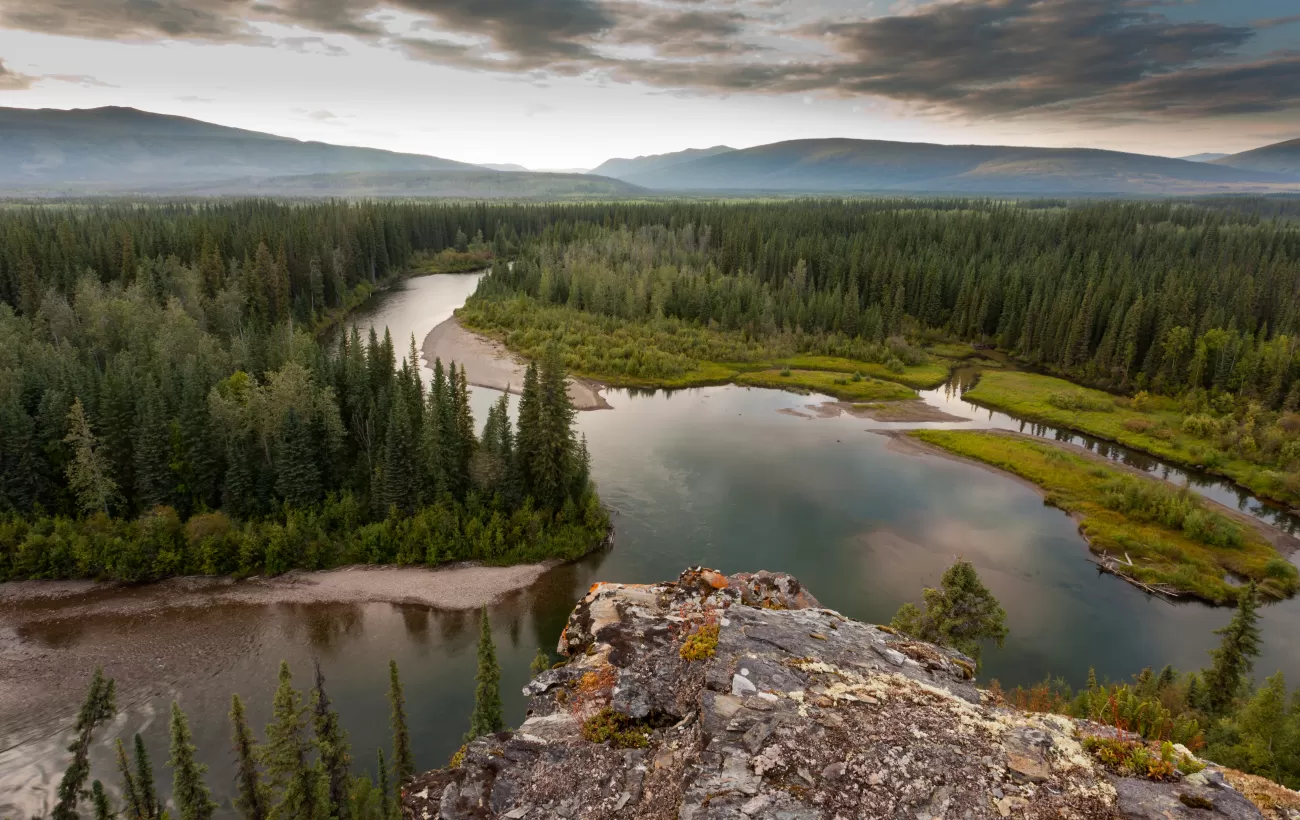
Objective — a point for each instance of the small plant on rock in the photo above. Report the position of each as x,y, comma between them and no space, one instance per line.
620,730
701,644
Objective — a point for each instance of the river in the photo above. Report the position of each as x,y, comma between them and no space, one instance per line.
713,476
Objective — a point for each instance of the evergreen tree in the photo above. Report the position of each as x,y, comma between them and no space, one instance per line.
89,476
1234,659
962,613
294,781
528,443
332,746
541,662
151,446
487,717
403,761
251,798
99,706
132,807
190,793
554,459
99,799
144,783
297,475
386,804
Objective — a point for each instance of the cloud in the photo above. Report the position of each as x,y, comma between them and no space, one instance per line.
999,59
83,80
322,116
12,81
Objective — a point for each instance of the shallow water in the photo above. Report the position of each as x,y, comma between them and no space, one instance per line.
712,476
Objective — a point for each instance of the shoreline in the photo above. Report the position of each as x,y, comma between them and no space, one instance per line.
41,675
902,442
489,364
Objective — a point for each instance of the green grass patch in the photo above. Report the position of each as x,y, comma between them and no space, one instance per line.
1154,425
841,386
925,376
952,350
1172,536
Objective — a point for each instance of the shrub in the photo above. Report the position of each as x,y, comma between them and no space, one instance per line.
1201,426
1138,425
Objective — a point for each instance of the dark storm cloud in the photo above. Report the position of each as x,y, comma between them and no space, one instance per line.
975,58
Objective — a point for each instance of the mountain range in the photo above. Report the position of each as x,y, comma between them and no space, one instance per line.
849,165
104,151
127,151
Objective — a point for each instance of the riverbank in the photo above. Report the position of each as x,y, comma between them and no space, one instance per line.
47,650
1157,428
1168,538
489,364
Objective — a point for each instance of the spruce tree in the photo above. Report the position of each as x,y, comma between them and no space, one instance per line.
151,445
144,783
385,789
133,808
190,793
962,613
554,459
297,475
541,662
89,475
99,799
99,706
487,717
1234,659
286,755
332,748
529,426
403,761
251,797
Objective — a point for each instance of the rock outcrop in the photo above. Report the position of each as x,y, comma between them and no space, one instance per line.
741,697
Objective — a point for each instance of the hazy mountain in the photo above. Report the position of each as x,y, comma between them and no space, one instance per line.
474,184
625,168
1279,158
106,149
507,167
847,165
1208,157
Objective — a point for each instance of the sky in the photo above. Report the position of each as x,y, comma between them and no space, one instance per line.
558,84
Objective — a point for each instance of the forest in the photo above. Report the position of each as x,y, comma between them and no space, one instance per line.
168,402
167,405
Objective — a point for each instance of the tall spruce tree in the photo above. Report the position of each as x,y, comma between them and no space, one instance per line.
286,754
89,475
251,794
132,808
403,761
99,799
488,716
529,425
332,748
386,804
1234,659
190,793
297,474
144,782
151,446
99,706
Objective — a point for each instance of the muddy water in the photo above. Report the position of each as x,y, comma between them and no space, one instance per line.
713,476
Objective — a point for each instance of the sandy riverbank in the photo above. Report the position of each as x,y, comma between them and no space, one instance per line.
489,364
909,411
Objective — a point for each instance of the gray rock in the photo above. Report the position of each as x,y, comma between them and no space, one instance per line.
800,714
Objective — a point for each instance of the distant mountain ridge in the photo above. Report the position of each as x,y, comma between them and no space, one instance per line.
111,147
1209,156
476,183
623,168
850,165
1279,158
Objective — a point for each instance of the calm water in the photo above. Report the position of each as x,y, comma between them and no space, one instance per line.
712,476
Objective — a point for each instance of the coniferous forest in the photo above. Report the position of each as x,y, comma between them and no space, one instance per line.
167,403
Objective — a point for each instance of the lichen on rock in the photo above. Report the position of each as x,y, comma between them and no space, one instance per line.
798,713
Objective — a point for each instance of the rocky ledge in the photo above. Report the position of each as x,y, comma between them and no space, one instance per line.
742,697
